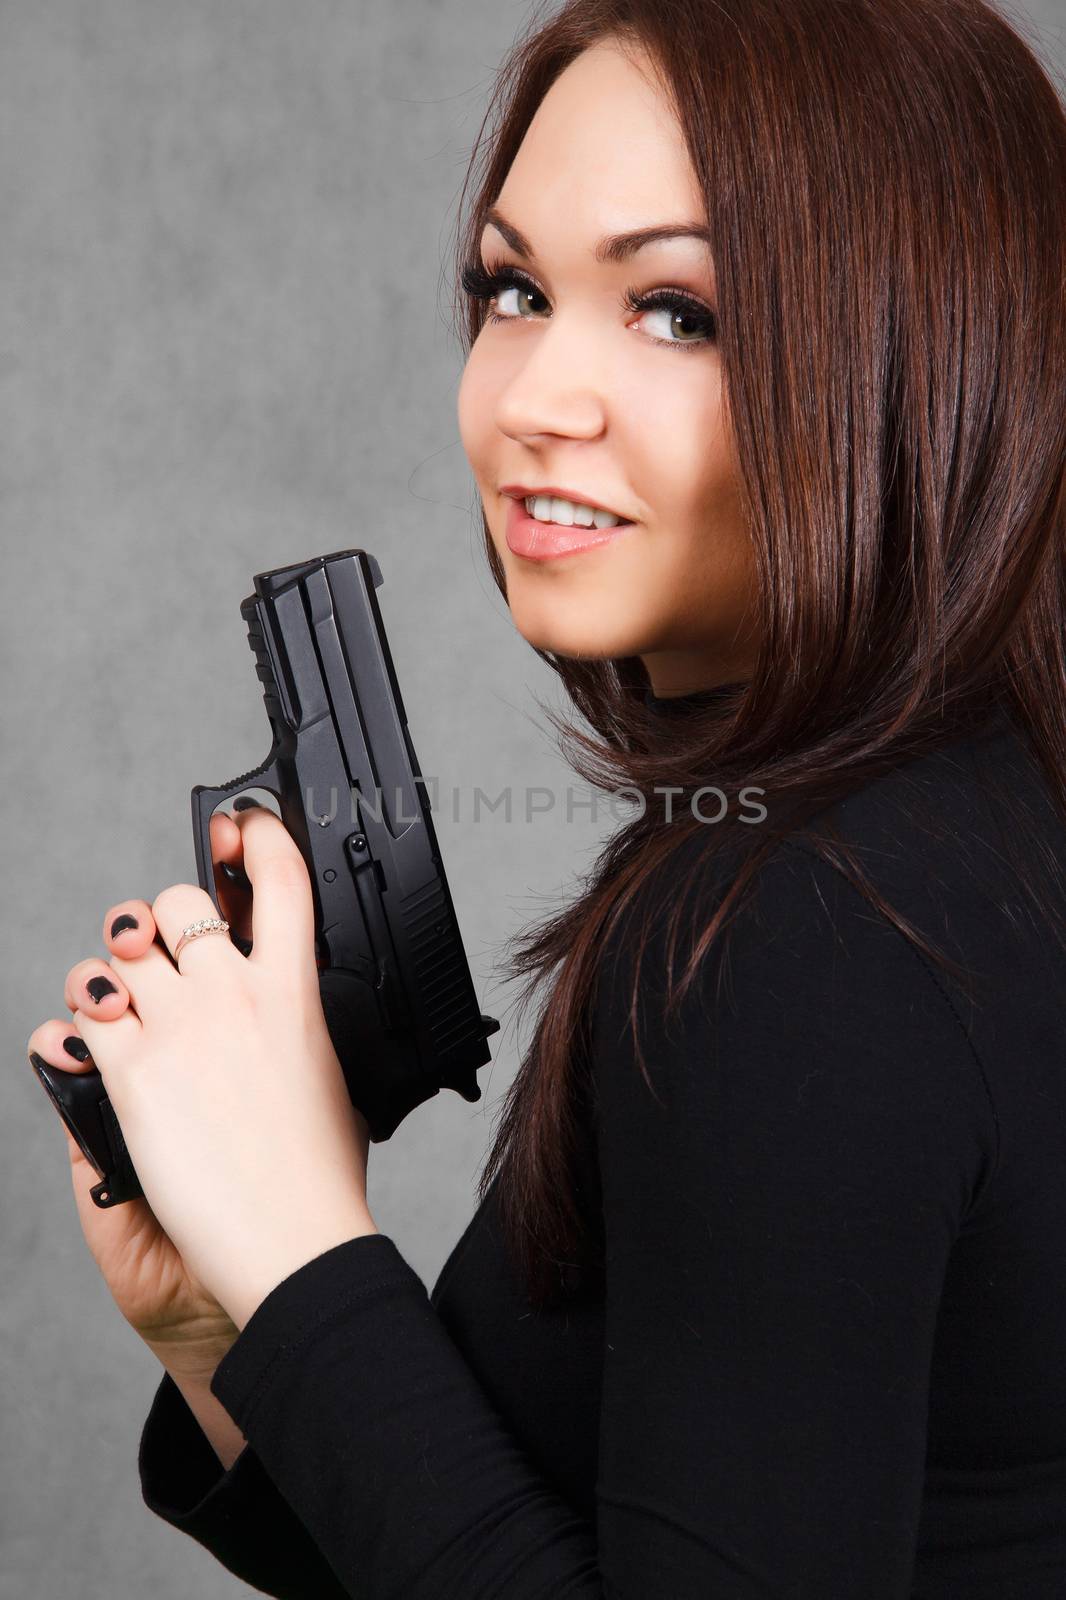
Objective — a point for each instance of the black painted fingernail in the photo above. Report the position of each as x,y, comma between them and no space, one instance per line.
76,1047
99,987
245,803
234,874
120,924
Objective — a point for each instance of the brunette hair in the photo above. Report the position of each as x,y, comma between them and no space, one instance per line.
885,188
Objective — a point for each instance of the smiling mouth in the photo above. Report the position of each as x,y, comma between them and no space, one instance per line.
539,541
601,520
556,508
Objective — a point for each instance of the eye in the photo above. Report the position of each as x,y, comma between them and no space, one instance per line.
682,314
491,285
694,323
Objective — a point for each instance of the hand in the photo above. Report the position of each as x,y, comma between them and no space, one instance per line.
179,1320
224,1079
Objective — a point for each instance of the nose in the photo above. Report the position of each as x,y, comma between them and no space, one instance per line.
554,391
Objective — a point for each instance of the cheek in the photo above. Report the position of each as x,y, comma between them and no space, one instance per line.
699,553
476,403
676,442
694,449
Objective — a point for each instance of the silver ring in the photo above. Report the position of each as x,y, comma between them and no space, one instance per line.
195,929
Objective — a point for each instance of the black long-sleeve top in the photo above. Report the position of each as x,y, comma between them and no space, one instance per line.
826,1353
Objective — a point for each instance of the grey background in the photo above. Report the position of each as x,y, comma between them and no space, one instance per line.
225,345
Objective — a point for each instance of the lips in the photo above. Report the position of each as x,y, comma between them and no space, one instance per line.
523,491
547,541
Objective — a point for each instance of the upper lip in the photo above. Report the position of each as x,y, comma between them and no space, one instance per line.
520,491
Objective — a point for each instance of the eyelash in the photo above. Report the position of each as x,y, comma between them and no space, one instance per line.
485,283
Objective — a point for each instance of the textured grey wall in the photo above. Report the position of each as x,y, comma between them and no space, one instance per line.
224,346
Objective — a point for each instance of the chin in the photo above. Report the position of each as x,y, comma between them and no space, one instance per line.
588,629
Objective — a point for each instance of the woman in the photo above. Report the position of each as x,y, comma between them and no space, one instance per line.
766,1292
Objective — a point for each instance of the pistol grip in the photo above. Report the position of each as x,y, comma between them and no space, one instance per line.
81,1100
382,1079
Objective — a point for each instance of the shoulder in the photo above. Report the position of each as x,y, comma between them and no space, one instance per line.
806,962
934,834
817,1004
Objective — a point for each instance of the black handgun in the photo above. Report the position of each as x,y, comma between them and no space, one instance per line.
396,988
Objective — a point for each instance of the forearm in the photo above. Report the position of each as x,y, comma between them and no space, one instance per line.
223,1434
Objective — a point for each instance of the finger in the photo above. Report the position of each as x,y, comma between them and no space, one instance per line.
109,1041
61,1045
141,960
95,987
226,847
283,912
231,882
182,906
129,928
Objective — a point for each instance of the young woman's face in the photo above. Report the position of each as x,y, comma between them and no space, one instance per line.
573,390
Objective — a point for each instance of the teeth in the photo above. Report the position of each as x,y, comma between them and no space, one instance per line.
605,519
568,513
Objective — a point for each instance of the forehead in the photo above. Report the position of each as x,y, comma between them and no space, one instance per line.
603,153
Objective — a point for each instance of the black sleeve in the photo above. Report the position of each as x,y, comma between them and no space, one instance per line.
778,1223
238,1515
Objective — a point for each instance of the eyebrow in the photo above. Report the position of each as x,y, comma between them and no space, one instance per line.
613,246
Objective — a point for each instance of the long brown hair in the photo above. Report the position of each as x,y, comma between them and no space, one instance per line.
885,187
